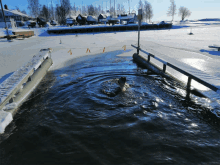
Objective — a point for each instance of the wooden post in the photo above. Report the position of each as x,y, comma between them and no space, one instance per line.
188,87
139,24
4,20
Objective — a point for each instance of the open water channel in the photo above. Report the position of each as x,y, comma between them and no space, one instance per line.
70,120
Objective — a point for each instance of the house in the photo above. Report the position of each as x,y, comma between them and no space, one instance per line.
81,19
71,20
131,18
102,18
91,19
13,16
9,21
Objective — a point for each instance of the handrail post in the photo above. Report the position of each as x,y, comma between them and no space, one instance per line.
139,24
188,87
148,59
164,68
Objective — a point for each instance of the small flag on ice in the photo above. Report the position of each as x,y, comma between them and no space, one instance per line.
124,47
87,50
104,50
70,51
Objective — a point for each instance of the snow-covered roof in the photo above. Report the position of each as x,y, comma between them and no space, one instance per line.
81,17
91,18
103,15
130,16
71,17
14,13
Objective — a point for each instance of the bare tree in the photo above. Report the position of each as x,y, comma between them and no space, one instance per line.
172,9
99,10
24,12
148,11
51,10
184,12
58,13
118,9
45,13
74,9
141,5
63,11
91,10
96,11
84,10
112,10
17,8
34,7
122,9
66,7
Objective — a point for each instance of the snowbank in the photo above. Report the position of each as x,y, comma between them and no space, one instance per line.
5,119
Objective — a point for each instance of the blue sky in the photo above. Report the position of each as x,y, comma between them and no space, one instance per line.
199,8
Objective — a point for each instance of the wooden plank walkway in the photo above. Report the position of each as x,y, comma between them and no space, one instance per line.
92,29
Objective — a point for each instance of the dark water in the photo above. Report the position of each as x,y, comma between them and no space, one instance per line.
69,120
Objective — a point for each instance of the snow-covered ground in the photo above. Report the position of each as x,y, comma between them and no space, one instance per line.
174,46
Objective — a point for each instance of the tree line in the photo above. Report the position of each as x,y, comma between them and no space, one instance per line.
64,8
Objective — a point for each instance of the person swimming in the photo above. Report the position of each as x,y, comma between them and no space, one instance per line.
116,86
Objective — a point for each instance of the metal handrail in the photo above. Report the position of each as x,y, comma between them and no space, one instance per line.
190,76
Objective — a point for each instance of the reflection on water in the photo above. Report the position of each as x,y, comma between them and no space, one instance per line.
69,120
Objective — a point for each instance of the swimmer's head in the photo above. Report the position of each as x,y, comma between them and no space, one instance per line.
123,79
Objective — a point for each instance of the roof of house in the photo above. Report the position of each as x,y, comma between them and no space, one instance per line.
103,15
14,13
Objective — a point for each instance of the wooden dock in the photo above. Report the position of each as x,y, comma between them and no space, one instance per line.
95,29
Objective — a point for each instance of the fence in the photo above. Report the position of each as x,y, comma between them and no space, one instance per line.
189,75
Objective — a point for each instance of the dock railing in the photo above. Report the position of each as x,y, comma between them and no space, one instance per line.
12,86
189,75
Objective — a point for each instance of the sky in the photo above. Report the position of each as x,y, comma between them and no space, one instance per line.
200,8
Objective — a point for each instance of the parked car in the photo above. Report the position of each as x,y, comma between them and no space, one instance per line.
162,23
53,23
31,23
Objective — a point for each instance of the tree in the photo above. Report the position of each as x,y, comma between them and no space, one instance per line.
51,11
45,13
118,9
24,12
184,12
34,6
66,7
91,10
141,6
122,9
57,13
74,10
112,10
84,10
62,11
148,11
17,8
172,9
